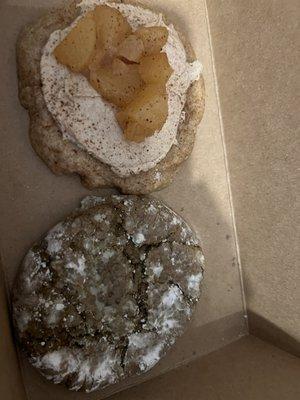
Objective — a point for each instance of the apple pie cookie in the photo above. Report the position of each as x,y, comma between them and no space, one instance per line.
114,93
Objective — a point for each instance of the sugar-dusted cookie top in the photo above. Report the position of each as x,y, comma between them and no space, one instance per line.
105,293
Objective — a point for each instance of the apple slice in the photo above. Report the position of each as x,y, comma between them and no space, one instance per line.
77,48
118,83
132,49
155,68
134,132
148,109
112,27
154,38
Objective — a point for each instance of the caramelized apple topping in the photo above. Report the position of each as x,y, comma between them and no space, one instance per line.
127,68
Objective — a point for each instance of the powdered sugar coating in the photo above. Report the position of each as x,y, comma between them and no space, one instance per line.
109,302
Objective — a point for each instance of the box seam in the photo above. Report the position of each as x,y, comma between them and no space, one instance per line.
236,241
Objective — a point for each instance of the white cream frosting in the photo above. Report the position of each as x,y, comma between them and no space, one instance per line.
89,121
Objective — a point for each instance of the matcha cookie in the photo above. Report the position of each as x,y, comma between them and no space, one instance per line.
105,293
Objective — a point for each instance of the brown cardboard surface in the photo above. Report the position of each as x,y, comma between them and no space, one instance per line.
11,383
256,47
33,199
248,369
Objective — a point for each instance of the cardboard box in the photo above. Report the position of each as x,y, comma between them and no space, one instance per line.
228,201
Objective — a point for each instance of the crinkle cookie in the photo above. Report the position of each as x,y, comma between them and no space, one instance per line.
105,293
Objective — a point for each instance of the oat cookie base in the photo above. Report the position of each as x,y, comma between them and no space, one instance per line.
64,157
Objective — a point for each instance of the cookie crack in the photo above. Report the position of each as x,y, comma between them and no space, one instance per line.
124,348
185,296
142,297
